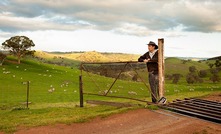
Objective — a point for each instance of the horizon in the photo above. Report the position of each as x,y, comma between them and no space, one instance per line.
121,53
117,53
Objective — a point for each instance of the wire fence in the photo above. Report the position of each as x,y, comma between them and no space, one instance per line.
48,86
55,86
126,80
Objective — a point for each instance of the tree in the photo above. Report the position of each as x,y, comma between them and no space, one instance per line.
184,61
218,63
215,77
19,46
202,73
210,65
193,76
176,78
192,69
169,76
2,58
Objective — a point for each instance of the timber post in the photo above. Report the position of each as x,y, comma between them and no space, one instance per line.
81,89
161,67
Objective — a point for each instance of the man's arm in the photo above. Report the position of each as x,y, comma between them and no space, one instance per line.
142,58
153,60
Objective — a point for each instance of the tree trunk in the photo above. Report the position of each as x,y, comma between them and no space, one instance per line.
19,58
1,63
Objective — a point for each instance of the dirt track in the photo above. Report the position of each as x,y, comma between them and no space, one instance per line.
140,121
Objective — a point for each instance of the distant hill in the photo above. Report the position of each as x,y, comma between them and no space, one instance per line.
113,56
215,58
90,56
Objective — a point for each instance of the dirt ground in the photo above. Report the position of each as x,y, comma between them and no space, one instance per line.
141,121
213,97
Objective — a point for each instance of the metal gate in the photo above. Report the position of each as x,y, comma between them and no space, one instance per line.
123,66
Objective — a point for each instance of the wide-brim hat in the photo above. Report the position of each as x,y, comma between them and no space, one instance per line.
153,44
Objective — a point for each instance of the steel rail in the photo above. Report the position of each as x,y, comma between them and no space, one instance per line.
199,108
190,113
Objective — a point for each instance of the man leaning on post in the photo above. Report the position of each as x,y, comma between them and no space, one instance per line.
151,59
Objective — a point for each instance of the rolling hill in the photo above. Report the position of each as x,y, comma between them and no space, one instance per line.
54,90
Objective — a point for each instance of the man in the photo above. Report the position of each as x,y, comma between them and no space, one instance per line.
151,59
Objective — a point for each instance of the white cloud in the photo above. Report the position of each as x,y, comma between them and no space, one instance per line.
113,25
203,16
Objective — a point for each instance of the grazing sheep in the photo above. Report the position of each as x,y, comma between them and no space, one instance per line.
132,93
50,91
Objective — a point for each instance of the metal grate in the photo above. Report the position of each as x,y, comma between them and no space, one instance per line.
204,109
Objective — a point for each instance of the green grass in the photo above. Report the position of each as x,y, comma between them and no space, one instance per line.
10,120
175,65
61,106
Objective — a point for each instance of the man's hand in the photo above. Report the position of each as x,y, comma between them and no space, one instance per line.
146,60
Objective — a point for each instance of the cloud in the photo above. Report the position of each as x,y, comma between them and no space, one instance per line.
140,17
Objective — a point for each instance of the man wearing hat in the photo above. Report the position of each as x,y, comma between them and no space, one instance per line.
151,59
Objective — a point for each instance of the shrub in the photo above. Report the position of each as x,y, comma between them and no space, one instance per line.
192,69
176,78
215,78
202,73
191,78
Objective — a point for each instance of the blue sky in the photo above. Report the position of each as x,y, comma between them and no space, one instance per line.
191,28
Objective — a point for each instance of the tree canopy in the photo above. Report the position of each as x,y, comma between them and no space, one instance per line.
19,46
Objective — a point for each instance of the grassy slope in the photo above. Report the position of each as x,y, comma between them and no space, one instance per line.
45,107
60,106
96,56
174,65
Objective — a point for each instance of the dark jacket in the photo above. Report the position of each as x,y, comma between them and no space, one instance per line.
152,65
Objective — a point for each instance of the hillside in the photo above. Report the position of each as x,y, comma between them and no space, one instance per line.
73,59
56,59
175,65
93,56
54,92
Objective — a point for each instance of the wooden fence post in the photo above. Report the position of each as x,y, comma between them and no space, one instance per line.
28,83
81,91
161,67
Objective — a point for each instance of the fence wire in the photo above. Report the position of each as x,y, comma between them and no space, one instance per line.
121,79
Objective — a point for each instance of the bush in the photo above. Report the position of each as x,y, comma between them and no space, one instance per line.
169,76
215,78
211,65
202,73
191,78
218,63
176,78
192,69
214,71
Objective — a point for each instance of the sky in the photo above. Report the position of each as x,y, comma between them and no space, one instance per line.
190,28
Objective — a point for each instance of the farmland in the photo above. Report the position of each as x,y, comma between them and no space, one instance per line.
54,93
